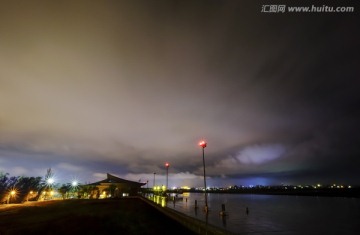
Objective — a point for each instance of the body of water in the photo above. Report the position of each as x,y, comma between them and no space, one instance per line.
269,214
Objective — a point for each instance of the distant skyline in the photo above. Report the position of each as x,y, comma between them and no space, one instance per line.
122,87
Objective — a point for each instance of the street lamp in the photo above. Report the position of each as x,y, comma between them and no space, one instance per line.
50,181
31,194
203,144
154,180
74,188
167,174
11,194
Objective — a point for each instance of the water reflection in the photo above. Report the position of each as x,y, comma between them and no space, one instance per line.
160,200
223,220
267,214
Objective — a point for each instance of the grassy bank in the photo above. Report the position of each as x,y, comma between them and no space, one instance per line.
124,216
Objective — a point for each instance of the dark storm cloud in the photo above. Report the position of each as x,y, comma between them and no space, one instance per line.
127,86
308,92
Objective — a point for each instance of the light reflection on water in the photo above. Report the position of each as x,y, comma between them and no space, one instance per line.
158,200
270,214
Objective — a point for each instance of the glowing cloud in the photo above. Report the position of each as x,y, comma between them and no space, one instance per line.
69,167
258,154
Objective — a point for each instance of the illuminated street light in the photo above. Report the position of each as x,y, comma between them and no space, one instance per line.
12,193
50,181
167,174
74,188
49,186
203,145
31,194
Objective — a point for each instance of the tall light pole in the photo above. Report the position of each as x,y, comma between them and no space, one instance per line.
167,174
154,180
203,145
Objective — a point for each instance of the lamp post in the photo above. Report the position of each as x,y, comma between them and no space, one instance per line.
154,180
50,181
27,197
11,194
74,188
203,145
167,174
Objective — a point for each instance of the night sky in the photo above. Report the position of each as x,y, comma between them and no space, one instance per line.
90,87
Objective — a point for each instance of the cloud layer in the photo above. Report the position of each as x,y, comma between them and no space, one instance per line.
124,87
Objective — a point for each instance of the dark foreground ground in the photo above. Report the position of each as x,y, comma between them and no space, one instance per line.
122,216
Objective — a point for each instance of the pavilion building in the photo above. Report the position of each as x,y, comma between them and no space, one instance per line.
114,186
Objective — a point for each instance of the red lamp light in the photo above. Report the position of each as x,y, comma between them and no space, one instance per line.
202,144
167,164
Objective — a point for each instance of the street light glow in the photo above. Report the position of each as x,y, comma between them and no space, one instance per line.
202,144
167,164
74,183
50,181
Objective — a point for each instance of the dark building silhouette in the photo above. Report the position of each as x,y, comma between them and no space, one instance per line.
114,186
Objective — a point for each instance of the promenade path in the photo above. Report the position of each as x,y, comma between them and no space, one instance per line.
107,216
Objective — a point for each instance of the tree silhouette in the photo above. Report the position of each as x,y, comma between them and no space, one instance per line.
21,185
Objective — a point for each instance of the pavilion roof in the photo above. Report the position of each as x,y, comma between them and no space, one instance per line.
116,180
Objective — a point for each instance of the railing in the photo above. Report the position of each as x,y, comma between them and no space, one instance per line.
191,223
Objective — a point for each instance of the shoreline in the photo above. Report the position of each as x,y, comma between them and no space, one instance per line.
348,193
